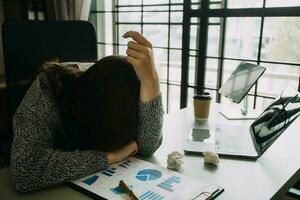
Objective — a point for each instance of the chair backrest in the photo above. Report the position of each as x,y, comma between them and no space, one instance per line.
27,44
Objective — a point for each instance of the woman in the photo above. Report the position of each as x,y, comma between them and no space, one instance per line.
70,125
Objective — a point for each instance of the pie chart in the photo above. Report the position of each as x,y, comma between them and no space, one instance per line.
148,175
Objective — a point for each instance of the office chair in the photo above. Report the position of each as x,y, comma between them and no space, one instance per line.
27,44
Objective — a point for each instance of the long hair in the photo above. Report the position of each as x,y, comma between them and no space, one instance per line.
99,107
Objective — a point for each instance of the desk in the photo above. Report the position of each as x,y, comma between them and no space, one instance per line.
268,177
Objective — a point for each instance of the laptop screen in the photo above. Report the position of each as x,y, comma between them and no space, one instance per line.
275,119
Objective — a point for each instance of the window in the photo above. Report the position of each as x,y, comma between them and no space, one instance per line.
197,44
160,21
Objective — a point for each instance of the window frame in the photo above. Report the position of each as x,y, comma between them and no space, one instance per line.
203,12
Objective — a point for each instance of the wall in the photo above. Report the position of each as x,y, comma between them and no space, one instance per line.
1,50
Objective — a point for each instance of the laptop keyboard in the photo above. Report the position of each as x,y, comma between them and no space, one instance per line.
233,139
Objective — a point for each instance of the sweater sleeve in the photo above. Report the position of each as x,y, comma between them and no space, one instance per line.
150,124
35,164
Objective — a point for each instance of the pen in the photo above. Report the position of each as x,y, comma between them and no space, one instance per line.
128,191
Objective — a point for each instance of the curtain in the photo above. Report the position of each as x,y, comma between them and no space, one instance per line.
72,9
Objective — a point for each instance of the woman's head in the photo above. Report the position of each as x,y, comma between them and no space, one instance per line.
99,106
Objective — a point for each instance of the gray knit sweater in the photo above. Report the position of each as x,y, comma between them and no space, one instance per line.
36,164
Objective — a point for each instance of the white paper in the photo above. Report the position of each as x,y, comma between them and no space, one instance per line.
148,181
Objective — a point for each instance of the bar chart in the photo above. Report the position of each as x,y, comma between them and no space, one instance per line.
109,172
151,196
168,184
119,190
91,180
125,164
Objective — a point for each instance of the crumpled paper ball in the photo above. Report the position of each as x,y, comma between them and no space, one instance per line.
211,158
174,160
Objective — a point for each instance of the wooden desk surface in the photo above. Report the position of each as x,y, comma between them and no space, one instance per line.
266,178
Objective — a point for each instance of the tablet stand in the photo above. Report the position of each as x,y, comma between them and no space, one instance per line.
237,87
239,114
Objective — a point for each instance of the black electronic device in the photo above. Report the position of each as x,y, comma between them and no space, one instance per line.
245,141
275,119
241,81
237,87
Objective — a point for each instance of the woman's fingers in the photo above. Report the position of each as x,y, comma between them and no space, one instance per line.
135,149
134,152
140,48
136,36
132,148
134,53
136,46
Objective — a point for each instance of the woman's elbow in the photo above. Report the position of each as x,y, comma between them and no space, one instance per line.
19,182
25,179
150,149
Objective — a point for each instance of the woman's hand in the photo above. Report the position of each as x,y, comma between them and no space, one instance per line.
130,149
140,55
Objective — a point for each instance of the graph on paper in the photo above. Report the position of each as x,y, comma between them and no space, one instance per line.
109,172
148,175
148,181
151,195
91,180
168,184
125,164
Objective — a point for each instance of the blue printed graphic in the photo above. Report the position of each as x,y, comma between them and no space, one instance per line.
148,175
91,180
125,164
168,184
119,190
109,172
151,195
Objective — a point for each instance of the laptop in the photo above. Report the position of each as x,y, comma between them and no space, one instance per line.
242,141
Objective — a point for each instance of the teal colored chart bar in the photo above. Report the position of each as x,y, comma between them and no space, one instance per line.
168,184
149,195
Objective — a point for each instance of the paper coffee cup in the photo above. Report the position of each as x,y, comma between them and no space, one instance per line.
202,106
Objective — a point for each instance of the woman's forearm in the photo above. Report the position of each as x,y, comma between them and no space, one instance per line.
140,55
149,90
149,136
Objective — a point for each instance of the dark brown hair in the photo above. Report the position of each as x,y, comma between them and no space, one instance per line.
99,107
